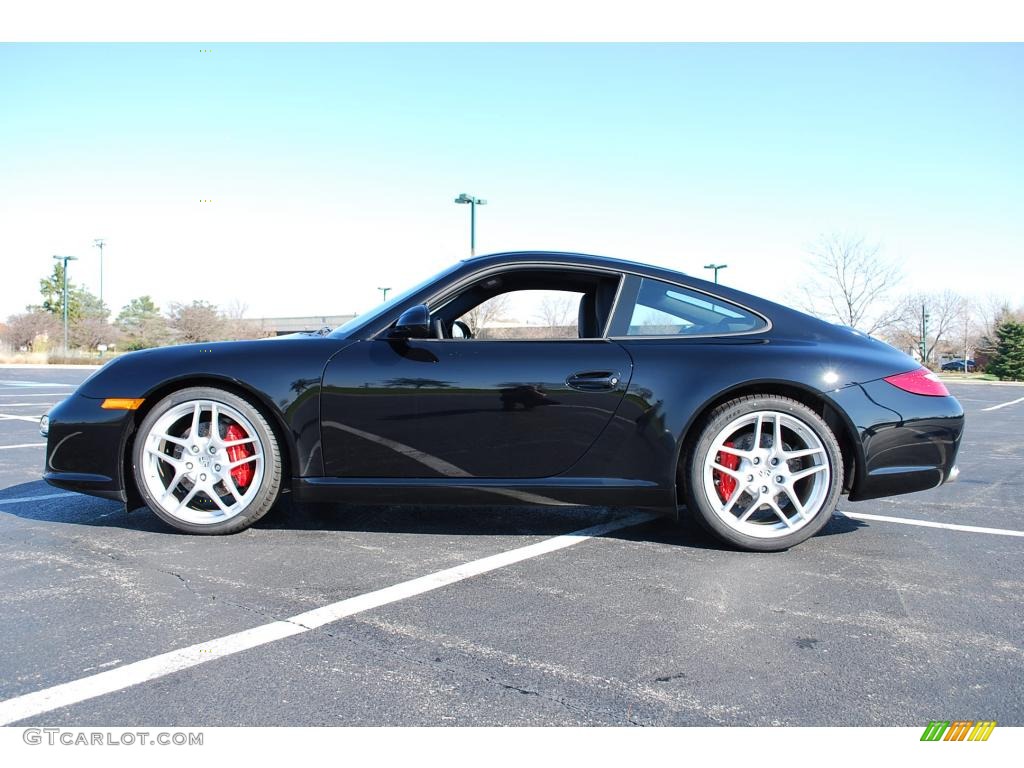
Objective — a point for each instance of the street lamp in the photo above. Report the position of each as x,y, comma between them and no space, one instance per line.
473,202
384,291
715,267
99,242
66,259
925,317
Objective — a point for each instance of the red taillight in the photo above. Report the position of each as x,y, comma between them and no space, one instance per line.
919,382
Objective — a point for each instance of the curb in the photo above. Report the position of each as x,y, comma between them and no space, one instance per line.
982,381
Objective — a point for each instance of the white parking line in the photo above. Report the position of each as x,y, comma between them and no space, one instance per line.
48,367
27,499
22,445
9,417
15,383
34,394
152,668
1003,405
28,405
930,524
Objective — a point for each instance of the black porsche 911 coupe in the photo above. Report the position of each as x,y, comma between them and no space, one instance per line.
658,390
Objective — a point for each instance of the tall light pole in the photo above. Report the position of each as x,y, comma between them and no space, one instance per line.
99,242
384,291
925,317
66,259
473,202
715,267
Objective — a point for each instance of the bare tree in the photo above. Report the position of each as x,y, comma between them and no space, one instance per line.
198,321
482,315
990,311
235,324
235,310
89,332
947,312
23,330
555,309
850,283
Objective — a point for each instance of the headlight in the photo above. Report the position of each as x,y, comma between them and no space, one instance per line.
44,425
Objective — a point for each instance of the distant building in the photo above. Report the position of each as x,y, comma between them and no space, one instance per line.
280,326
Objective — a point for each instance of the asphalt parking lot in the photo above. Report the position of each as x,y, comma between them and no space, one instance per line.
872,622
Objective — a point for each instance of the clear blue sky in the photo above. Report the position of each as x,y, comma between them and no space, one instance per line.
332,168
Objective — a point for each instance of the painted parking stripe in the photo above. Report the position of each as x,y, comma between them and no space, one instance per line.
117,679
22,445
9,417
930,524
27,405
33,394
28,499
1003,405
15,383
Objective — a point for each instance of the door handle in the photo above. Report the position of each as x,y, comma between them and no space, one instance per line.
594,381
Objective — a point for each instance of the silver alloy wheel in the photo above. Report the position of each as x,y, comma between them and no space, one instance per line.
781,478
188,467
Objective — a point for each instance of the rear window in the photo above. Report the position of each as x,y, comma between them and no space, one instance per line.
663,309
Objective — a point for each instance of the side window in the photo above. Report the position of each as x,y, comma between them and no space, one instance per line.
526,314
663,309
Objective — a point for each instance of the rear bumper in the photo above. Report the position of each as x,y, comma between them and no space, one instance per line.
907,442
85,446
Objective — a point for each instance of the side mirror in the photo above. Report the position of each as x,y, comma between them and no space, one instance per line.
414,323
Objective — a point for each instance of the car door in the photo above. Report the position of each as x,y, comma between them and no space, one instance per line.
432,408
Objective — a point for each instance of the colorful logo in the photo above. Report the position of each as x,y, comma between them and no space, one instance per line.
958,730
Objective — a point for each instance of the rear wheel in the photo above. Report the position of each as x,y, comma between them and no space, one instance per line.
764,474
206,461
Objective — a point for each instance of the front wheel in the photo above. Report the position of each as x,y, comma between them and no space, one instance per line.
206,461
765,473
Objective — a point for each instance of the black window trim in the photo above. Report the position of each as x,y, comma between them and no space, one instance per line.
621,315
441,298
626,278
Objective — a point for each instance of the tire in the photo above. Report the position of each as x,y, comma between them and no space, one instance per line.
748,493
198,483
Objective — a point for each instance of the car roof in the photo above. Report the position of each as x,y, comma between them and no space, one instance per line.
574,256
624,265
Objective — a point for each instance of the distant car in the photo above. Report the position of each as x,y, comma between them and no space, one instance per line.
669,391
958,365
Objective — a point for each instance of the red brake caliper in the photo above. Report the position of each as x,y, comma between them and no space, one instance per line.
726,484
242,474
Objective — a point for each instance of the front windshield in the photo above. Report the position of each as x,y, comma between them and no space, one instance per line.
368,317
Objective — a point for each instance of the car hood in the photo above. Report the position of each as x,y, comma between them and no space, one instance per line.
251,363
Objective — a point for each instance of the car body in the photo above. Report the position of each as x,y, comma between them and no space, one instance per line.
958,365
394,408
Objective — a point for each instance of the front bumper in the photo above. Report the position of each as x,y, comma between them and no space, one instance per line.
85,447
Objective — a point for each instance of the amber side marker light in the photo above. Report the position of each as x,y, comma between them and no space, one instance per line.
122,403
